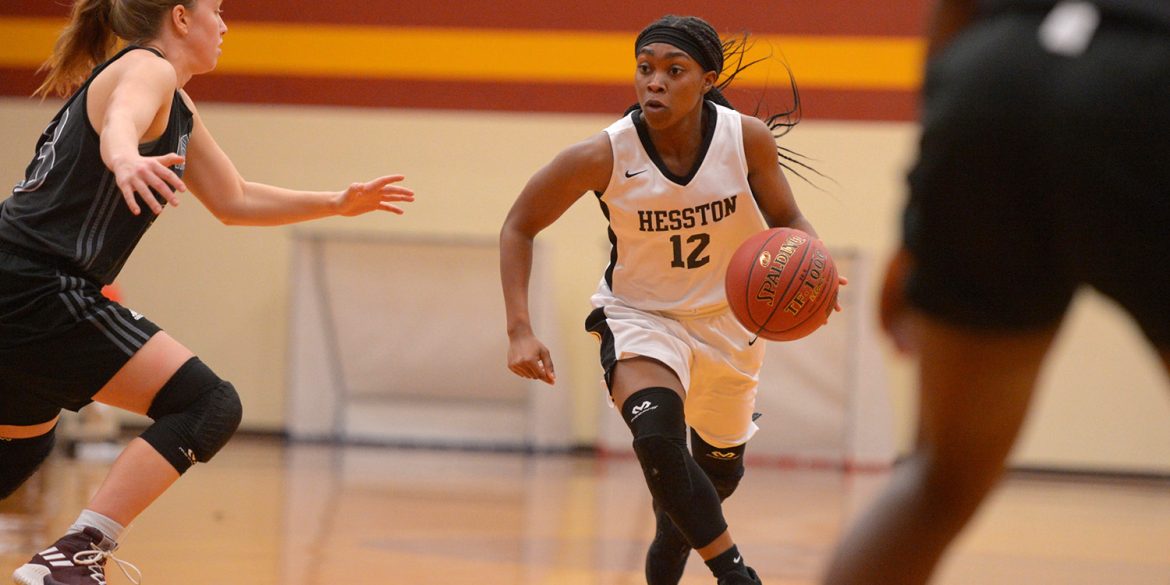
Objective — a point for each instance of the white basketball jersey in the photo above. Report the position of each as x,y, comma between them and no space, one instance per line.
673,236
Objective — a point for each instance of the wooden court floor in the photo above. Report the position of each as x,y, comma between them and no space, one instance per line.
269,513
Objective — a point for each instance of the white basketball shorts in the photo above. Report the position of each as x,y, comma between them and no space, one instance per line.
709,352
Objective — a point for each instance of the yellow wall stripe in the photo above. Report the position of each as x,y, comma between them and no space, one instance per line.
27,41
445,54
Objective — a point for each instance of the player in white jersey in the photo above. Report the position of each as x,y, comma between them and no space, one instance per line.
683,181
672,232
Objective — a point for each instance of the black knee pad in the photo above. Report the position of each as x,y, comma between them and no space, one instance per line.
655,417
723,466
677,483
664,464
20,458
195,414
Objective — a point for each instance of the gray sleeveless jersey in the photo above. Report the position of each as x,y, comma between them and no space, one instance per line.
68,207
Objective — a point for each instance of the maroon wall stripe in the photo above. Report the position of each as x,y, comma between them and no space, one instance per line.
804,17
18,82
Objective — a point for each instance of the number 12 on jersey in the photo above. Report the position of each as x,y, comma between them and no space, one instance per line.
696,243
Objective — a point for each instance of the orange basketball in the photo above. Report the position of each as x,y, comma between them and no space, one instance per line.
781,284
113,292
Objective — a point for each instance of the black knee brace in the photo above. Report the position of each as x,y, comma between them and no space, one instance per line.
20,458
723,466
677,483
195,414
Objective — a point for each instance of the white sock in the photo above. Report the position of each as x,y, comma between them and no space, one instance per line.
107,526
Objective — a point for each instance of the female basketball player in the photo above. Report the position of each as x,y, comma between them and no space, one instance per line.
682,179
1016,176
127,137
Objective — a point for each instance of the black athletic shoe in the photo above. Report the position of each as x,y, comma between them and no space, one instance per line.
76,559
738,578
667,558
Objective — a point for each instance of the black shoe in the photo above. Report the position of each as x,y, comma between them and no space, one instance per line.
667,558
78,558
748,577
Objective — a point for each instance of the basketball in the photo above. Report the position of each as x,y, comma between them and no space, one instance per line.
781,284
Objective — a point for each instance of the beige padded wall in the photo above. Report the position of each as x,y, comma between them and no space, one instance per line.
223,291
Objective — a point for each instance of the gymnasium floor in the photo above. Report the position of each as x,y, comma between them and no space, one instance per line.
265,513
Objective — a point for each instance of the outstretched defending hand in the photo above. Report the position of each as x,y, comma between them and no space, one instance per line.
379,194
136,176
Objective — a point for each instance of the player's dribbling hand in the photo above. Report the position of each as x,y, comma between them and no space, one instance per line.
529,358
136,176
841,281
381,194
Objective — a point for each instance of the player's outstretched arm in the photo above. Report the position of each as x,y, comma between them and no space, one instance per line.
585,166
125,102
893,310
214,180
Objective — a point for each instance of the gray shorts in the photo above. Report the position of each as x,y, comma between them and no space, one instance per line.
60,340
1041,172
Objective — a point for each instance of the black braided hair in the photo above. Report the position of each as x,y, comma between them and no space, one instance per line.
716,54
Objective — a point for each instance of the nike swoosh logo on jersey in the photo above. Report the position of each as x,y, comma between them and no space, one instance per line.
629,174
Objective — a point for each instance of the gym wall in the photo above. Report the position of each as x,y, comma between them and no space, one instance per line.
469,100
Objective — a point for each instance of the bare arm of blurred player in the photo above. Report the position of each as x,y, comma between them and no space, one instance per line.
949,17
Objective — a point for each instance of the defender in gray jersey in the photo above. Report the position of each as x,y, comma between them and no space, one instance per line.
1041,122
128,136
683,179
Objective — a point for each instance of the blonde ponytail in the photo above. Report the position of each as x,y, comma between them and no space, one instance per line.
92,36
85,42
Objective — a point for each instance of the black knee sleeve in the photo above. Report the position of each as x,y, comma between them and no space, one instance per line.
20,458
723,466
195,414
677,483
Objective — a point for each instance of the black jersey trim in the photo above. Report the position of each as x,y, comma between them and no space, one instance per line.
613,248
712,120
597,324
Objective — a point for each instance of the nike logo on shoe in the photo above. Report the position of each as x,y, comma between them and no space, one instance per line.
630,175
